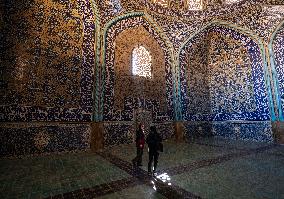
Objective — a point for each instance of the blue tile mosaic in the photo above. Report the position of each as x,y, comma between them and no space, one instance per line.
233,87
110,114
48,69
251,131
237,130
32,139
50,74
197,129
116,133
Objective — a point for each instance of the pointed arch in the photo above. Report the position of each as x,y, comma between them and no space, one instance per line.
252,35
154,29
275,80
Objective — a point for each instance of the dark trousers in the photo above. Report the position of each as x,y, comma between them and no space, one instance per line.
138,159
153,155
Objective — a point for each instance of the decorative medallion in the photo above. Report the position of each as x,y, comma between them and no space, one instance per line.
41,140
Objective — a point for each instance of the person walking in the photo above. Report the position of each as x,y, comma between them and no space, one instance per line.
154,142
140,142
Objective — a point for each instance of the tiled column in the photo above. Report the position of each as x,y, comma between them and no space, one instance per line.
97,136
179,131
278,132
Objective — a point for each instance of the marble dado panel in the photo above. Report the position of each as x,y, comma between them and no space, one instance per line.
236,130
278,49
232,77
129,86
110,113
49,60
25,139
116,133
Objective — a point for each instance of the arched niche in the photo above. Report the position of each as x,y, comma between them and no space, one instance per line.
118,45
223,83
113,57
129,87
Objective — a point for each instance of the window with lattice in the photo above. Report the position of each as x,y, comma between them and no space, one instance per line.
195,4
141,62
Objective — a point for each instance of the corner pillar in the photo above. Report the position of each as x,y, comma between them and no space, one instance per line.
179,131
278,132
97,136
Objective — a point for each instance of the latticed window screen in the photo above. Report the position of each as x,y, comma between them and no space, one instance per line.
141,62
195,4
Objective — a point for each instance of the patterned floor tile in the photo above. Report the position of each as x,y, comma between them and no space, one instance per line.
206,168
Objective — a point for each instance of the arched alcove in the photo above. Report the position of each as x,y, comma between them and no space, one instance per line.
145,85
124,93
229,66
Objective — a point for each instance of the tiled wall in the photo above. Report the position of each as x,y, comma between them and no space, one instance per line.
35,138
113,74
127,85
179,23
259,131
48,61
223,79
121,100
48,67
116,133
194,129
195,88
233,77
278,49
47,73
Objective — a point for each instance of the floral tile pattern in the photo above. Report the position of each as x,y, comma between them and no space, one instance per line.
110,78
34,139
53,70
49,62
234,87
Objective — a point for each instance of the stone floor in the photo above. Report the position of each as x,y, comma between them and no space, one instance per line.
206,168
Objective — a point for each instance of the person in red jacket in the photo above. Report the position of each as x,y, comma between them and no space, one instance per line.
140,142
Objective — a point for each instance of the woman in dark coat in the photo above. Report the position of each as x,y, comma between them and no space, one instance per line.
140,142
154,142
